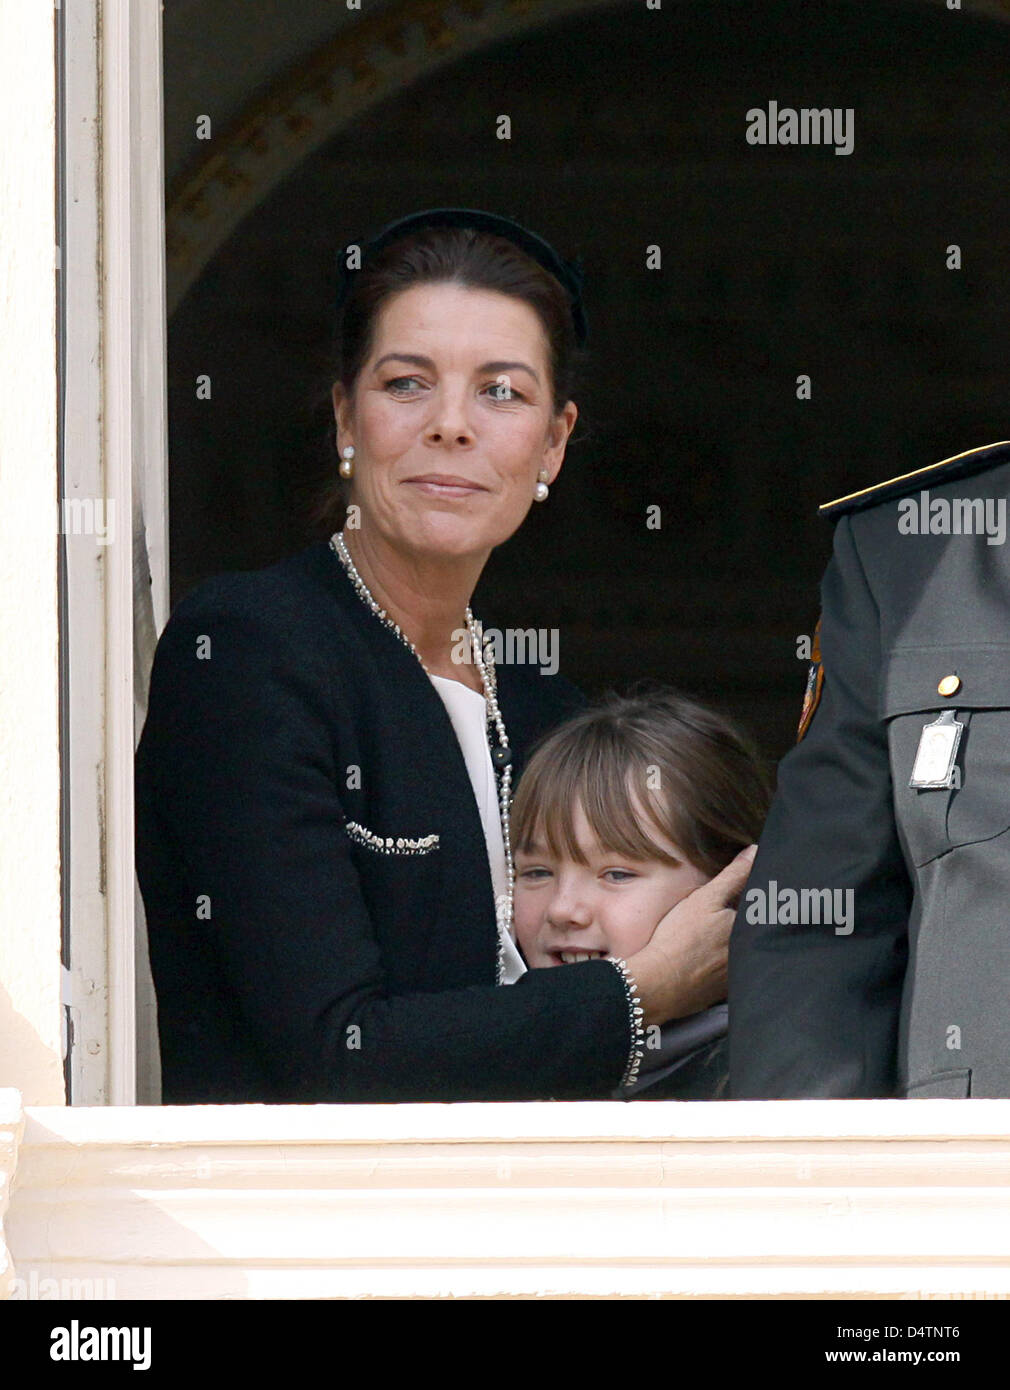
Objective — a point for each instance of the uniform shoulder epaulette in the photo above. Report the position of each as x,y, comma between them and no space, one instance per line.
958,466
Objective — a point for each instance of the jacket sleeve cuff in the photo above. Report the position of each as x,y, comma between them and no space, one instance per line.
636,1015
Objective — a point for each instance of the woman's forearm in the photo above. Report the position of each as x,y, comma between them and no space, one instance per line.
561,1034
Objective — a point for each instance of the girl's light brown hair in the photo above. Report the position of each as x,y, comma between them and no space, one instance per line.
649,761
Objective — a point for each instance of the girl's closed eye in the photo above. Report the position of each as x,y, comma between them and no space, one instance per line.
534,874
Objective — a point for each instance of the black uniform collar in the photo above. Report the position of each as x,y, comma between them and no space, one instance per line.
958,466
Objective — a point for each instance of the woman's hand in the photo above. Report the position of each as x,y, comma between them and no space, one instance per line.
683,969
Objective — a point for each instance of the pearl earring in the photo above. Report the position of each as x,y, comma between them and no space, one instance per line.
346,469
541,490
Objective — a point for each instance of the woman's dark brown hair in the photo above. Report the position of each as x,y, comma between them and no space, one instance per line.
650,761
443,255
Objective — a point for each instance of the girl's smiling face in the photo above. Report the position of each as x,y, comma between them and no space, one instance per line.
566,911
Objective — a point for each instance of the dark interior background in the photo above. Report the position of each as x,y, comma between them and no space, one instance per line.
628,129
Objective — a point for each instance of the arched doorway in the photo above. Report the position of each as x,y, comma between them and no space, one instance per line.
628,132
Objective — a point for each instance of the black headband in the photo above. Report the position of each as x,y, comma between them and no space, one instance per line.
568,273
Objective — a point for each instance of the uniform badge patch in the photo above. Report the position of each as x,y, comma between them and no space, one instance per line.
937,753
815,683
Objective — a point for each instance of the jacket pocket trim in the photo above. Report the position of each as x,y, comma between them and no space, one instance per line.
399,844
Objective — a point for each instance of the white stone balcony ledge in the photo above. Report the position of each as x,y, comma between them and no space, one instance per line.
809,1199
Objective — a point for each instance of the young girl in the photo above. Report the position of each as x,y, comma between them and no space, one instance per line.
620,813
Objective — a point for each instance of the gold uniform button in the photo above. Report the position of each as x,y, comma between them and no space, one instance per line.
950,685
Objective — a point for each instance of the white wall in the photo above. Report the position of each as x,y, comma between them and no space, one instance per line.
30,1045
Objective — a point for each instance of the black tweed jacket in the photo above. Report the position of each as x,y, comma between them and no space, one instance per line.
310,854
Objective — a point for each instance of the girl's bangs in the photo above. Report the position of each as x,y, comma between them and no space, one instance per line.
604,788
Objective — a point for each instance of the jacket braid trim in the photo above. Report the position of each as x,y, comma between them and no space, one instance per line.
389,844
635,1016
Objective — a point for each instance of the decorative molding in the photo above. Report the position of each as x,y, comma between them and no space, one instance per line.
369,60
807,1199
12,1123
366,62
135,472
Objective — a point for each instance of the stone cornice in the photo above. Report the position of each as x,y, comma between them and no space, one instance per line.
749,1199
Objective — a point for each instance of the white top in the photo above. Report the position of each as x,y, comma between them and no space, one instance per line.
467,710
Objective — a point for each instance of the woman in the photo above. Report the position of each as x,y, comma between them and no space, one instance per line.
323,792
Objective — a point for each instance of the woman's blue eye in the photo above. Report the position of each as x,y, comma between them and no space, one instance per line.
499,390
505,391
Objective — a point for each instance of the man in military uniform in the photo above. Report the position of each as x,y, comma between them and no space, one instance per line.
871,950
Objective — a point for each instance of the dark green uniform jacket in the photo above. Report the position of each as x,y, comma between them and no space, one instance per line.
871,950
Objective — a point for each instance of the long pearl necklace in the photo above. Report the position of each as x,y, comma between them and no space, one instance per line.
501,754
